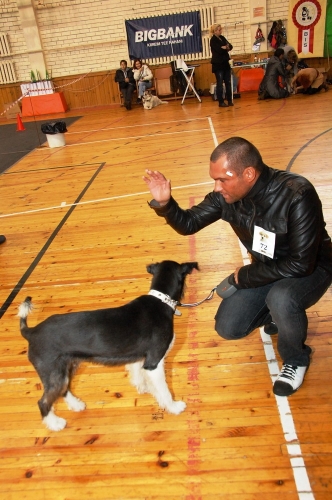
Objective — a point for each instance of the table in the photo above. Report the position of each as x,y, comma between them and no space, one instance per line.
250,65
250,79
44,104
188,74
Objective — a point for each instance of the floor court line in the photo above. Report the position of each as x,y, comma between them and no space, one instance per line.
140,125
17,288
208,117
100,200
147,136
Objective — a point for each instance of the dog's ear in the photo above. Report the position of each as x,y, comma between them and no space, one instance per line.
152,268
187,267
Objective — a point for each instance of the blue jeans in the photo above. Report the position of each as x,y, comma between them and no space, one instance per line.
284,302
142,86
224,75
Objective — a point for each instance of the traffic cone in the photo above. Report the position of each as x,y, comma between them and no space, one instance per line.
20,126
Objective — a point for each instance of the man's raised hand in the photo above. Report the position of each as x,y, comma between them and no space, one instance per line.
159,186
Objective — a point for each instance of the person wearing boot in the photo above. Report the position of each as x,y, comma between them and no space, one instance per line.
278,217
220,49
143,76
124,76
270,87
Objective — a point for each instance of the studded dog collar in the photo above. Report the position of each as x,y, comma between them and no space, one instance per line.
166,299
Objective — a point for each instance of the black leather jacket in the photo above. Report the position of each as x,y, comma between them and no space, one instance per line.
280,202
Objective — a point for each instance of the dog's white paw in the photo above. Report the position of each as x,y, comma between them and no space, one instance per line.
54,423
137,377
142,388
176,407
74,403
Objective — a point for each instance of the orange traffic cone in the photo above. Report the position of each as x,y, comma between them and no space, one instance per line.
20,126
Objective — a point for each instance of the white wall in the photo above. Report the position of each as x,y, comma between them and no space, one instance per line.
79,36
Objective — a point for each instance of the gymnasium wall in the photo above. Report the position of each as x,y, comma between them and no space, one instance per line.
81,36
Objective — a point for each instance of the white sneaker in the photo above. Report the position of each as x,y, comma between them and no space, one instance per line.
289,380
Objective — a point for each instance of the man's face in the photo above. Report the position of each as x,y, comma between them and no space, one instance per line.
123,66
231,186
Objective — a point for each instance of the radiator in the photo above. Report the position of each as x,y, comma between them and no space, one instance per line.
7,72
4,45
207,19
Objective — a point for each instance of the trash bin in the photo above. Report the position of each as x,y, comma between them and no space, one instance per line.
55,133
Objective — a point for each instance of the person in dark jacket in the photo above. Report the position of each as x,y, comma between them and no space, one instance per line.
124,76
277,216
275,71
220,49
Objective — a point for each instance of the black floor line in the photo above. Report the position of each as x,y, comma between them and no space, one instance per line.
42,252
297,154
46,169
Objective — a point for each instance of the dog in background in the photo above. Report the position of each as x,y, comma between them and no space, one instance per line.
151,101
137,334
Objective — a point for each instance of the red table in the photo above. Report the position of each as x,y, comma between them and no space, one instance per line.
249,79
44,104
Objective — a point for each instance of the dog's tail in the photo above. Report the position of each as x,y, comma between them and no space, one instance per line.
24,309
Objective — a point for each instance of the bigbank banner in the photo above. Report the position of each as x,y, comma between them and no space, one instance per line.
162,36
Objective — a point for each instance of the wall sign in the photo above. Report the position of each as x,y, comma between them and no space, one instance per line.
305,17
163,36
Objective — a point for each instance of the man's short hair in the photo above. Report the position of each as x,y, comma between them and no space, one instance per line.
240,154
123,60
279,52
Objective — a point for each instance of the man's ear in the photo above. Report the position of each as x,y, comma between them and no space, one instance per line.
250,174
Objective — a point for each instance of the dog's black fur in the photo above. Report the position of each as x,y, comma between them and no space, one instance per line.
140,331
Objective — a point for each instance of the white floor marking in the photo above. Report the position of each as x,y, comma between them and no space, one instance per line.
100,200
126,138
186,120
214,136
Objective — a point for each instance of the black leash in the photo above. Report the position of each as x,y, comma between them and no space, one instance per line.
209,297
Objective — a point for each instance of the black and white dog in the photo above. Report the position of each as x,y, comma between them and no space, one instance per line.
138,334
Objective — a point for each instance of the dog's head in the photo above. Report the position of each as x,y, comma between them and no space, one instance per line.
147,96
169,277
147,100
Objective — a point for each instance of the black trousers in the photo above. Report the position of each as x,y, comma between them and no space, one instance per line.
127,92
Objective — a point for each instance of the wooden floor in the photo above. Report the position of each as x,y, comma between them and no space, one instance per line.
80,234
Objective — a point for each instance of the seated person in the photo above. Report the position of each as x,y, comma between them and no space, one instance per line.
269,86
125,78
309,81
143,76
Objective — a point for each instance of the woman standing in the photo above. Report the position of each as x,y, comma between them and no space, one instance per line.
220,49
143,76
